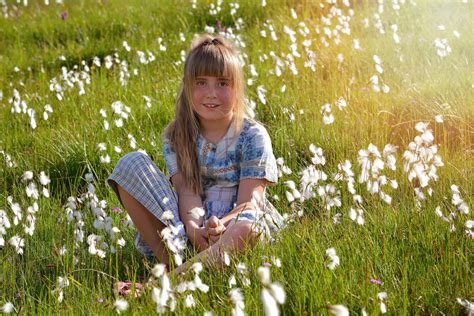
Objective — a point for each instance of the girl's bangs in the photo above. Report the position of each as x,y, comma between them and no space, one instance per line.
212,62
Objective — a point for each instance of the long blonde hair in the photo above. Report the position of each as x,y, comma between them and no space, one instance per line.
208,56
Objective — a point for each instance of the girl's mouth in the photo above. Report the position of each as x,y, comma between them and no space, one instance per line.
210,105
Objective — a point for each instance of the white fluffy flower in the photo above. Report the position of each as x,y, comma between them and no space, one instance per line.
334,259
18,243
338,310
7,308
197,212
120,305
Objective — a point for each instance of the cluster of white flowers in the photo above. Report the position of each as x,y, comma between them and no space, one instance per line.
282,168
74,214
442,47
310,176
9,162
272,293
4,225
145,58
421,161
97,243
235,293
346,174
328,118
333,258
70,79
62,283
163,296
382,296
461,209
372,164
172,236
20,106
29,222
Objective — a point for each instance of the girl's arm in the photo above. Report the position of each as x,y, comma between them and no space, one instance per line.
187,200
247,189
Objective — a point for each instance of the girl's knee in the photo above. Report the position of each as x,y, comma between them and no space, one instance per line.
132,159
242,231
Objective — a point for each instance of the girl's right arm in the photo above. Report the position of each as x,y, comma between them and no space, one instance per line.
187,200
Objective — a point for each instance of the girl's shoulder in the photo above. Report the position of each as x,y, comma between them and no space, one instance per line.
252,128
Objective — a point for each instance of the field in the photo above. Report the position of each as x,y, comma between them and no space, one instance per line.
370,107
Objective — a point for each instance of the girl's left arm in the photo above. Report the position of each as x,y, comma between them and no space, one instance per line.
248,188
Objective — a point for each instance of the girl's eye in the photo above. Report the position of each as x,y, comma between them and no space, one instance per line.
223,83
200,83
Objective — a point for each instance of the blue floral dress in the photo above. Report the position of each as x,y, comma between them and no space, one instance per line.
238,155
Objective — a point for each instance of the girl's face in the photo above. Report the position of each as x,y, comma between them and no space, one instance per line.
213,99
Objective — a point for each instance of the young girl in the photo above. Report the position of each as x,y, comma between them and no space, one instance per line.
219,162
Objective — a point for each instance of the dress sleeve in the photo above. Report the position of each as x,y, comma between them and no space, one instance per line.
170,157
258,161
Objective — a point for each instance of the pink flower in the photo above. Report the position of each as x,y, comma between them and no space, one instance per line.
375,281
64,15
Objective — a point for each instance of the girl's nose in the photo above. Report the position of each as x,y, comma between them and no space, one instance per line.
211,91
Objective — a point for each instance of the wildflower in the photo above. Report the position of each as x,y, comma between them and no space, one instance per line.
382,296
44,180
7,308
167,215
105,159
27,175
197,212
189,302
18,243
272,294
357,215
341,103
120,305
338,310
238,301
328,118
61,284
376,281
468,305
232,281
331,253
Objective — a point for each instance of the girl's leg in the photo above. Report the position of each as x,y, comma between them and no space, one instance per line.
147,224
237,236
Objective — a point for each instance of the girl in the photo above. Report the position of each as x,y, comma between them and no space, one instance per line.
218,161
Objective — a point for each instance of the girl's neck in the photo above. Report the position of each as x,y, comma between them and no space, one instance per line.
214,131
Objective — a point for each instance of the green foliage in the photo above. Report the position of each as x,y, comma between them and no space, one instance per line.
421,264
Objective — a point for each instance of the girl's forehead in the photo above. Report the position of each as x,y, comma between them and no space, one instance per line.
213,77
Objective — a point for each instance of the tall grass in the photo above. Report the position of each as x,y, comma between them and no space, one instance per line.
411,252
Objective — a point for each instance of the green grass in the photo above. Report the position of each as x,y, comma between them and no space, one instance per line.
423,266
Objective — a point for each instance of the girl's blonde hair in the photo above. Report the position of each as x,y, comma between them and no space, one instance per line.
208,56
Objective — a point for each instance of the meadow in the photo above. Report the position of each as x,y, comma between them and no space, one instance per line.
370,108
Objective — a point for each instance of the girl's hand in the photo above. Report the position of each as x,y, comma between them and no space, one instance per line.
198,237
215,228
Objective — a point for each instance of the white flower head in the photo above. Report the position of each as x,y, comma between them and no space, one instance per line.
7,308
338,310
197,212
120,305
264,275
